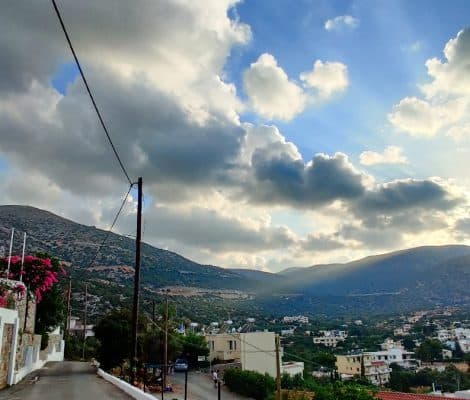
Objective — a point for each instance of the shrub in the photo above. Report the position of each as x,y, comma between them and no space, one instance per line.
249,383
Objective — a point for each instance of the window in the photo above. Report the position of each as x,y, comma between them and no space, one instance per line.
212,345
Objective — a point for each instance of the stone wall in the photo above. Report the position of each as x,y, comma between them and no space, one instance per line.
6,341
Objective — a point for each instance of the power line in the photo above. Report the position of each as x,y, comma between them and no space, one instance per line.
111,228
89,91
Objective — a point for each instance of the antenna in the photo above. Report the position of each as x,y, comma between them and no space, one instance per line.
22,258
9,255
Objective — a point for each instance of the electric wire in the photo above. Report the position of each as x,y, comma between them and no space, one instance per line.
59,16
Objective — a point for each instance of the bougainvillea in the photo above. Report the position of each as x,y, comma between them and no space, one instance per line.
10,288
39,274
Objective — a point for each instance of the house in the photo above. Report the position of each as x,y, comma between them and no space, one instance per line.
287,332
292,368
375,371
446,354
301,319
464,345
76,328
255,351
20,347
258,352
330,338
375,365
224,347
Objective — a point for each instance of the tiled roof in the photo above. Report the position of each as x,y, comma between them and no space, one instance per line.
411,396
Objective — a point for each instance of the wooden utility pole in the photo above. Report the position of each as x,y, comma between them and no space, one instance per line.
69,296
153,311
278,369
135,308
85,320
165,350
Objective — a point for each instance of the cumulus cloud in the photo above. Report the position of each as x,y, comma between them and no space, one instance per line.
341,22
158,76
390,155
326,78
321,242
271,92
445,100
274,96
284,180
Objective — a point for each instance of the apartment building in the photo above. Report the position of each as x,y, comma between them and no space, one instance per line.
224,347
301,319
255,351
330,338
368,365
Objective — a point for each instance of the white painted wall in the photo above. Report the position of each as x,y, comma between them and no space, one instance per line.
132,391
258,352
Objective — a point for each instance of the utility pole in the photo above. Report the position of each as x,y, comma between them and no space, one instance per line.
84,320
165,350
69,296
153,311
135,308
278,369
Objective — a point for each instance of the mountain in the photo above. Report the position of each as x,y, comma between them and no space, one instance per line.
77,244
425,276
404,280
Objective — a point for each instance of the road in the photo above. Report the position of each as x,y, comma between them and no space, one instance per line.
66,380
200,387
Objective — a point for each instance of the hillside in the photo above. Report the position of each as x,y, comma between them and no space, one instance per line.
404,280
77,244
420,277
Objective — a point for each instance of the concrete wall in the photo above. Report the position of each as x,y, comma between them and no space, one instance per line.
219,346
258,352
132,391
9,326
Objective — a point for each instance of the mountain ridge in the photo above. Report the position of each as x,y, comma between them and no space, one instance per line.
423,276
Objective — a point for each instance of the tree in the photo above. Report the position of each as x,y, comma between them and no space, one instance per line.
114,333
408,343
400,379
430,350
50,312
193,346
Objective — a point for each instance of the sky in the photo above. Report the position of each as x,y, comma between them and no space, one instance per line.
269,134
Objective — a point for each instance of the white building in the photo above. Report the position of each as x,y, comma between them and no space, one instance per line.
301,319
287,332
464,345
292,368
255,351
330,338
76,328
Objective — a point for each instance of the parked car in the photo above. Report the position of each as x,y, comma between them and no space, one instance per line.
181,365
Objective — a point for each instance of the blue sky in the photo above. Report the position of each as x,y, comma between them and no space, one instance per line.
382,67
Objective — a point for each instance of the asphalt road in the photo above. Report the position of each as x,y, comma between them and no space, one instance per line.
65,380
200,387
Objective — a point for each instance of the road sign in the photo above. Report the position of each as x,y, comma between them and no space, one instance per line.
201,358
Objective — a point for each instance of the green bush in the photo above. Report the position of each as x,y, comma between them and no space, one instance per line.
249,383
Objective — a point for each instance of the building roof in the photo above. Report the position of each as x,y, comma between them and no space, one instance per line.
412,396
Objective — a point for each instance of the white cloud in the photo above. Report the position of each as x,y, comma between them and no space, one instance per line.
420,117
390,155
341,22
274,96
327,78
445,101
271,92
